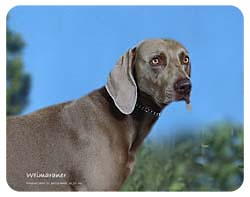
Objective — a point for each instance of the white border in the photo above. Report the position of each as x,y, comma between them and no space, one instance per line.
6,5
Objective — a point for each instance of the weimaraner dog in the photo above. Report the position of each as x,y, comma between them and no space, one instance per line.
89,144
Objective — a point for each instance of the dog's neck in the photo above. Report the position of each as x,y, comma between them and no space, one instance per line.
148,105
142,120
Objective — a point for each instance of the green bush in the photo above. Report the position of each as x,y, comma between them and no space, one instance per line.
210,160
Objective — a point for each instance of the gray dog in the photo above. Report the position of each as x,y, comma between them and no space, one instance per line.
90,143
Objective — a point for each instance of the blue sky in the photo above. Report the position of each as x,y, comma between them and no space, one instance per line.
70,51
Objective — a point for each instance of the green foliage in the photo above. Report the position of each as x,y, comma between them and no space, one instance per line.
210,160
18,82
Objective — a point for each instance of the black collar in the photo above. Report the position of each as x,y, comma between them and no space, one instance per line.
147,109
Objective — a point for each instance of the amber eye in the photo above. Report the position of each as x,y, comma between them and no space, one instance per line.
158,60
155,61
185,60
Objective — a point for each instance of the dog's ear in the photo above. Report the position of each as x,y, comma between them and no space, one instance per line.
121,84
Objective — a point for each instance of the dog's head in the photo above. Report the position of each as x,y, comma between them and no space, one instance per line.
159,68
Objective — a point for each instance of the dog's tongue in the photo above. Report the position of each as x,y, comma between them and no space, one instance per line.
188,104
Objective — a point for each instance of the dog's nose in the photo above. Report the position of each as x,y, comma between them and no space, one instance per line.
183,86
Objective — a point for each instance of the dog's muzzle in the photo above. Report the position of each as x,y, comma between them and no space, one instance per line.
183,87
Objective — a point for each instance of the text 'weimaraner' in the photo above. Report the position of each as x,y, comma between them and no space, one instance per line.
89,144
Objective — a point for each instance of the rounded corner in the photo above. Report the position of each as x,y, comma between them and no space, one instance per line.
11,186
238,10
240,186
11,9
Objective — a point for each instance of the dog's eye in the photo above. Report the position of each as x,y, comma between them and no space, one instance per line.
185,60
155,61
158,60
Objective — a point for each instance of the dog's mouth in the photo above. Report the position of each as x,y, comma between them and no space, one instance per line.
185,98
